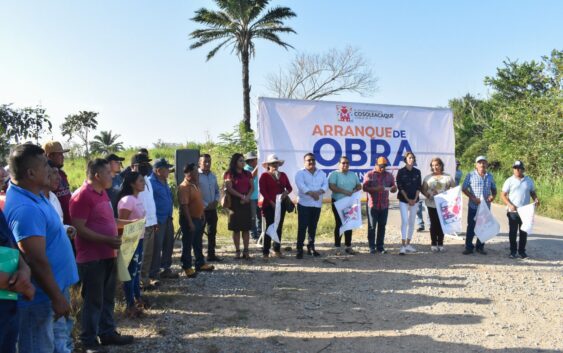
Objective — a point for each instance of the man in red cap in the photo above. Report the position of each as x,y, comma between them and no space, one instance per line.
378,183
55,154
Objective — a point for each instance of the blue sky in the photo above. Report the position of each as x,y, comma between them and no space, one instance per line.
129,60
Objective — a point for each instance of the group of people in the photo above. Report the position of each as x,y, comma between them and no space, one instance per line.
67,238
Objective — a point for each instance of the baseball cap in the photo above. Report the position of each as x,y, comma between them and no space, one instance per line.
480,158
518,164
381,161
54,147
114,157
140,158
162,163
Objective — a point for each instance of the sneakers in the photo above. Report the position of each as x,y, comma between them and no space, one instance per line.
349,251
434,248
205,268
523,255
278,254
467,252
482,251
410,248
96,348
513,255
441,248
403,250
299,255
382,251
168,274
190,273
420,229
372,251
116,339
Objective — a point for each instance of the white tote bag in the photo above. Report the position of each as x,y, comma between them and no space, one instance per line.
486,226
526,214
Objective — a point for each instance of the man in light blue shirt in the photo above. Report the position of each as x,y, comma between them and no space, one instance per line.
42,238
311,185
252,166
211,196
516,193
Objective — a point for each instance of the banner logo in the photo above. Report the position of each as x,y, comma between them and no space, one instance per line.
343,112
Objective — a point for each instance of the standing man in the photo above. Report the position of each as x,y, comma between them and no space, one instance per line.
458,172
141,164
19,282
164,238
55,154
516,192
96,244
43,241
115,164
211,196
192,213
378,183
252,166
478,184
311,185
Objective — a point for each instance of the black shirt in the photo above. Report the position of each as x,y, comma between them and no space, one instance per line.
408,181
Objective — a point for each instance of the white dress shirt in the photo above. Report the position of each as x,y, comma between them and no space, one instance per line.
307,181
148,202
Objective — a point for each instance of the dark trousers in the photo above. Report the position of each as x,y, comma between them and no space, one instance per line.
211,224
307,220
167,243
377,219
192,239
269,214
514,224
470,234
9,326
436,233
338,224
98,299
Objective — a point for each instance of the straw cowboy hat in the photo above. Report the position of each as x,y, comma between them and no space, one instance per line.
272,159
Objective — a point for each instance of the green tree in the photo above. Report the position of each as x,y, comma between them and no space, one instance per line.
237,24
80,125
105,143
17,125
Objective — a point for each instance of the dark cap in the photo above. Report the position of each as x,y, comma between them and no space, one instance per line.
114,157
140,158
518,164
162,163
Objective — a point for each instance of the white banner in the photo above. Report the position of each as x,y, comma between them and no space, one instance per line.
449,206
272,230
486,226
349,210
362,132
526,214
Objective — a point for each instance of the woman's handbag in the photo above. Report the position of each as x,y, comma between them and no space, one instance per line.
225,197
289,205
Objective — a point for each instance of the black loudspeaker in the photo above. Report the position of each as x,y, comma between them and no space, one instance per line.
184,157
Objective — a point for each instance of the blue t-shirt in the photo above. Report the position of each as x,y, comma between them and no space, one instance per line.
255,192
519,190
32,215
347,181
162,199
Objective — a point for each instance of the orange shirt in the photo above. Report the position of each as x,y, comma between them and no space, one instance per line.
189,194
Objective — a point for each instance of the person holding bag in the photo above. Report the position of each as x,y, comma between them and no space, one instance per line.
272,183
239,185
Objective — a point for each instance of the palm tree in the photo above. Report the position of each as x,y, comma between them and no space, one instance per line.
236,25
106,143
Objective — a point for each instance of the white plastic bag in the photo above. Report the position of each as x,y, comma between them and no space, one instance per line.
349,210
449,206
486,226
272,230
526,214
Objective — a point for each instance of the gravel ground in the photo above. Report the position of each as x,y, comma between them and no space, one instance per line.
422,302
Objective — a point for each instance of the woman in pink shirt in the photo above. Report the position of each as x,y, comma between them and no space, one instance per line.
130,207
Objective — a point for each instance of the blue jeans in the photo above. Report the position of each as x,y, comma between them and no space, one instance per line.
9,325
471,213
376,219
62,330
132,288
307,220
192,239
36,328
98,299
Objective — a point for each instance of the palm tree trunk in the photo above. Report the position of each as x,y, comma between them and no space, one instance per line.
246,90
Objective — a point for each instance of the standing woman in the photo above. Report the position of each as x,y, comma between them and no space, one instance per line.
239,185
409,183
432,185
130,207
342,183
272,183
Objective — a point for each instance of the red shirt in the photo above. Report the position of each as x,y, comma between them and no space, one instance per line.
86,203
269,187
63,194
379,200
241,182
